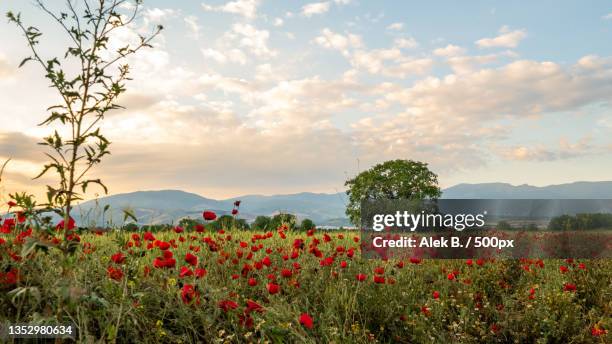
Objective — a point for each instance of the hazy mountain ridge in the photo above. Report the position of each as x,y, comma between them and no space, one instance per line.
169,206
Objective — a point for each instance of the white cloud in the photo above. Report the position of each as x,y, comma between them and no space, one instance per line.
331,40
278,22
156,15
506,38
245,8
405,43
342,2
449,50
311,9
395,26
541,152
192,25
389,62
248,36
607,16
6,69
232,55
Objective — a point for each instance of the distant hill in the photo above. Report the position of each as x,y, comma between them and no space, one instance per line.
169,206
577,190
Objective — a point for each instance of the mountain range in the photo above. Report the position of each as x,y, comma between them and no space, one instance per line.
169,206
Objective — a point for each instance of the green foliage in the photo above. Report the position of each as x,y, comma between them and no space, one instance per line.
261,223
394,179
307,224
87,93
282,219
581,222
504,226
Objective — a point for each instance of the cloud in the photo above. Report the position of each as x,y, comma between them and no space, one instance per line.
248,36
233,55
336,41
449,50
607,16
19,146
395,26
192,25
521,88
565,150
245,8
311,9
506,39
389,62
156,15
278,22
405,43
6,68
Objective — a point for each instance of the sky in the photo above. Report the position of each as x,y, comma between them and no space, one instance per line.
269,97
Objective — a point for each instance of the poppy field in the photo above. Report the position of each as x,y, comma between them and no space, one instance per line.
188,285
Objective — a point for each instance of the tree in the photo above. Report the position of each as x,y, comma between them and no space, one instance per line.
87,92
394,179
307,224
281,219
261,223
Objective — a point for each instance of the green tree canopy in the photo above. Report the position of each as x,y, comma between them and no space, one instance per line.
307,224
394,179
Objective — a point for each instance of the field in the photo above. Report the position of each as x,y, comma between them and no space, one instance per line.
281,286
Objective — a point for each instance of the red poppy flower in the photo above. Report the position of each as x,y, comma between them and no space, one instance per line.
185,272
237,203
379,279
569,287
115,274
163,245
226,305
286,273
234,211
415,260
148,236
306,320
199,273
12,204
597,331
71,224
563,269
361,277
379,270
450,276
209,215
266,261
436,294
179,229
191,259
343,264
189,294
252,282
118,258
273,288
253,306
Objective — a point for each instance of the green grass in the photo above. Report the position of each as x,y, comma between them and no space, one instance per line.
488,303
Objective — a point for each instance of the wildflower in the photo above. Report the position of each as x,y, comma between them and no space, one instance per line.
436,294
189,294
273,288
209,215
114,273
306,320
118,258
191,259
185,272
361,277
569,287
